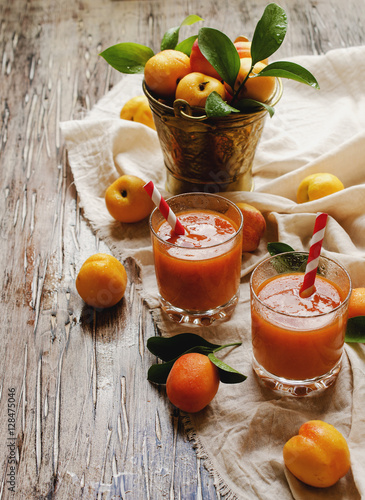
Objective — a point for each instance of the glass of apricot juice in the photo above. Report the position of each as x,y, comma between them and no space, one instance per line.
298,342
198,273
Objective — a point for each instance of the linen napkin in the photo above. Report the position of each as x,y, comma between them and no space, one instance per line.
242,432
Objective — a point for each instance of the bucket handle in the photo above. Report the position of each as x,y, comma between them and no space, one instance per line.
184,110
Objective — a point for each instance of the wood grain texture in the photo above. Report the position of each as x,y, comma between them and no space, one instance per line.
87,422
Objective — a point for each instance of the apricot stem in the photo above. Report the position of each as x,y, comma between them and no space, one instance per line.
237,92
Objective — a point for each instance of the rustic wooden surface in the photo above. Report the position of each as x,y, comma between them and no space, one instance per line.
87,423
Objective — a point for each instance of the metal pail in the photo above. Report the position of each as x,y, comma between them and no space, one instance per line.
207,154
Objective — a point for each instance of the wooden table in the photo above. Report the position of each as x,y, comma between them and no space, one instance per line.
87,422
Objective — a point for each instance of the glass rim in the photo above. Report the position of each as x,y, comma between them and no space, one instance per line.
192,194
288,315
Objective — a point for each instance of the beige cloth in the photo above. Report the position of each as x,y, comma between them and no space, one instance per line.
242,432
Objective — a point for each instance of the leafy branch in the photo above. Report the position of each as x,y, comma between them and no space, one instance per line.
169,349
220,51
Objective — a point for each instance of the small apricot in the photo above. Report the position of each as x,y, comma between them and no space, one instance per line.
127,201
200,64
101,281
138,110
243,46
192,382
164,70
318,455
254,226
357,302
195,88
316,186
259,88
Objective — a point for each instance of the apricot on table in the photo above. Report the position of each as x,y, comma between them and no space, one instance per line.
164,70
138,110
196,87
254,226
101,281
357,302
318,455
127,201
192,382
316,186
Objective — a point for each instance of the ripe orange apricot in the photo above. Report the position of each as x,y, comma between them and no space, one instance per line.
243,46
127,201
200,64
259,88
318,455
357,302
196,87
316,186
138,110
254,226
164,70
192,382
101,281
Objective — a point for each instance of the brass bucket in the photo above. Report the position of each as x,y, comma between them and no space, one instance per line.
207,154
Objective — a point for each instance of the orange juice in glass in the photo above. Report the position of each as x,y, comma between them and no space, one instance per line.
298,342
198,273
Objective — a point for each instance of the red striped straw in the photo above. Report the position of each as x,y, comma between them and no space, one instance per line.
164,208
308,286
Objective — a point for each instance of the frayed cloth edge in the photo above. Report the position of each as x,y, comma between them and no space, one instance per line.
219,483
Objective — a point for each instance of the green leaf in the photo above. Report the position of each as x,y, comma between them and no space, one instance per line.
269,33
249,105
168,348
159,372
220,52
227,374
186,45
295,262
127,57
355,331
171,37
290,70
277,247
192,19
215,106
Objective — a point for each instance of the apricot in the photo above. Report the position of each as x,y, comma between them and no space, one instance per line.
192,382
196,87
254,226
357,302
317,186
199,63
138,110
259,88
127,201
243,46
318,455
164,70
101,281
